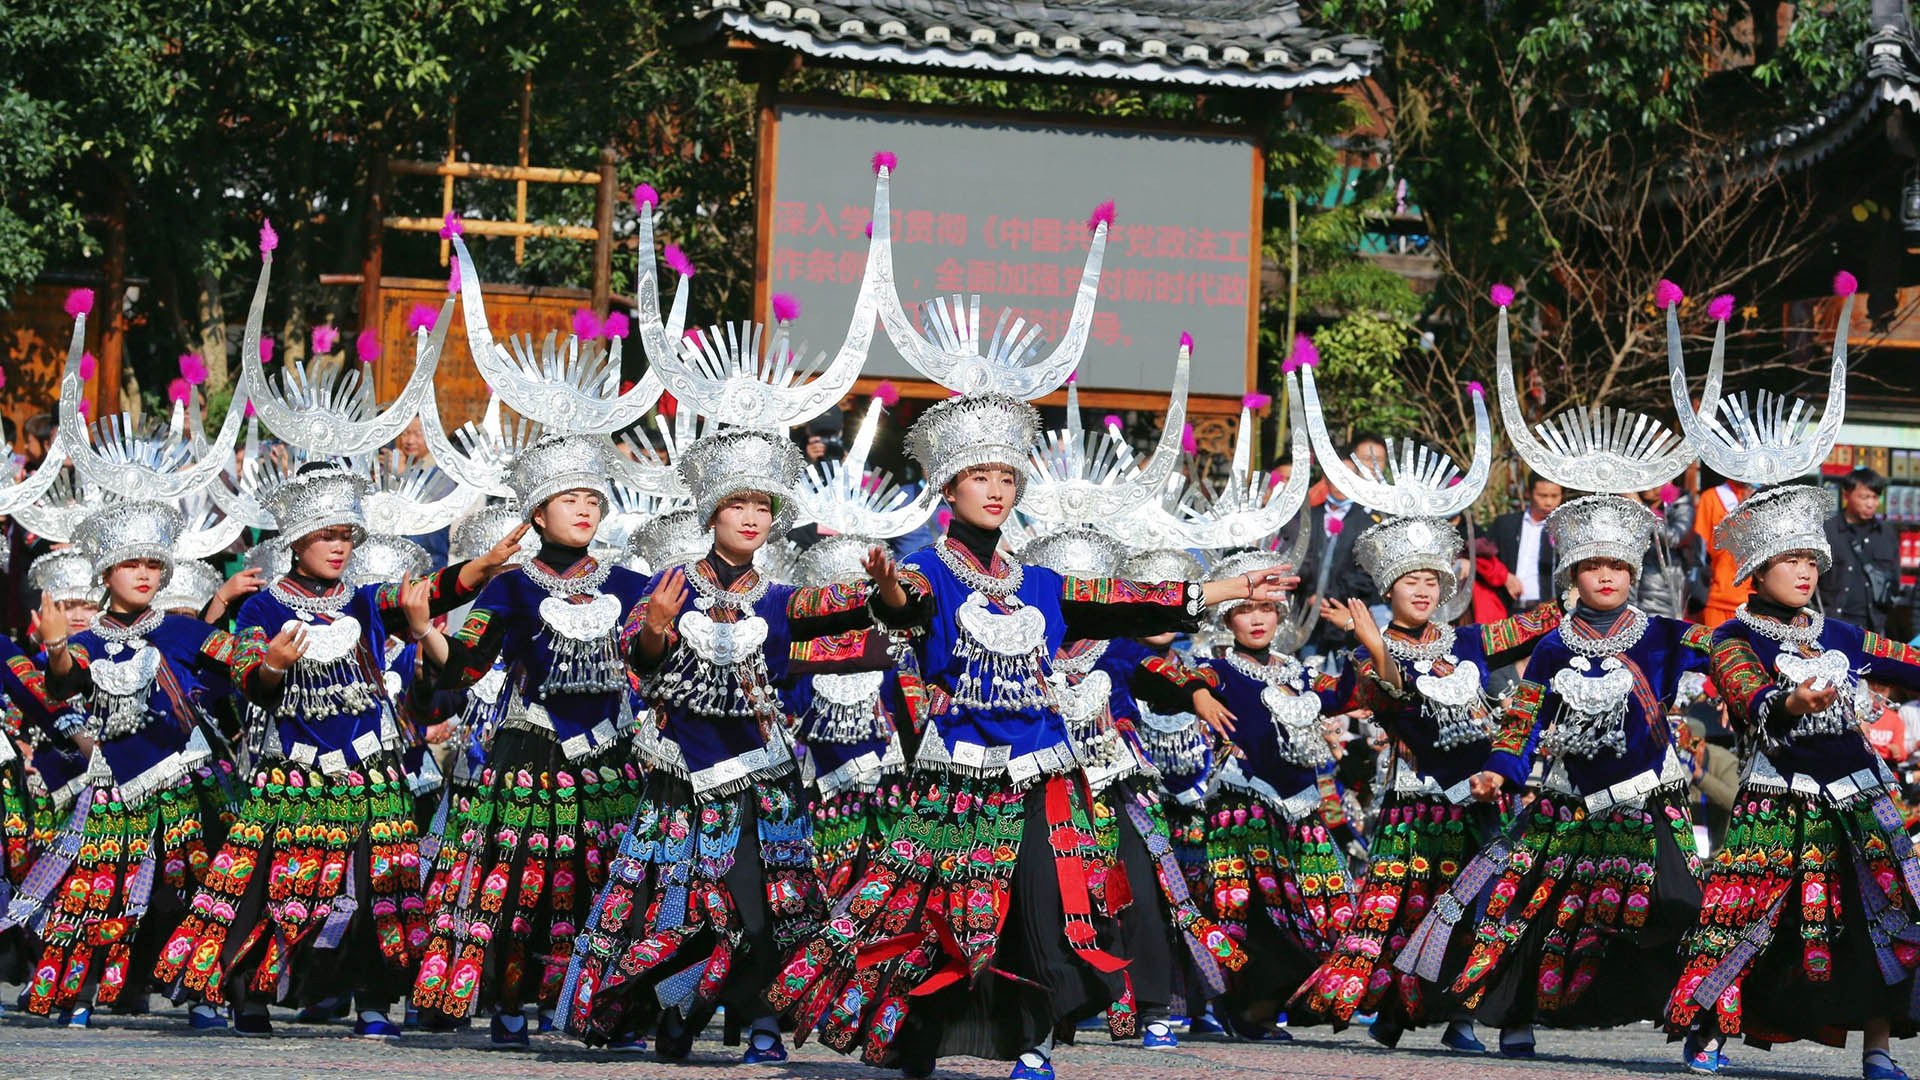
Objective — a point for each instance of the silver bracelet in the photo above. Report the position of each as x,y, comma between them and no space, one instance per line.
268,664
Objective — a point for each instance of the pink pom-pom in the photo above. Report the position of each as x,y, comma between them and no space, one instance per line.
1845,284
3,378
1666,294
785,307
453,277
88,365
1304,354
450,226
1186,341
268,238
193,369
249,411
644,196
1188,444
1256,401
678,261
1073,376
1669,494
325,337
178,390
1102,215
869,230
79,302
86,407
367,346
587,325
944,518
1111,420
1720,308
1476,389
616,325
1334,525
420,318
887,394
1501,295
266,350
884,159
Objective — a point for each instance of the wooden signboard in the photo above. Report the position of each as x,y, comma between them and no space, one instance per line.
34,334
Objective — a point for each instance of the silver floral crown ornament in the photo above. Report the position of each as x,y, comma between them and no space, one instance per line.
1079,477
1397,547
951,355
557,463
475,534
846,497
1766,440
628,510
192,588
126,531
383,558
718,467
835,560
673,539
1075,551
64,576
1607,450
1162,564
319,495
1788,518
1599,527
973,430
1418,481
574,388
1247,509
1239,564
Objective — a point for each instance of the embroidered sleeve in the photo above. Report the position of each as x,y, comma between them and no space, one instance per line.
1515,636
1891,661
447,594
218,648
1745,681
1517,723
249,652
472,649
1105,608
25,676
1168,685
818,611
852,650
913,693
11,720
1387,704
1336,694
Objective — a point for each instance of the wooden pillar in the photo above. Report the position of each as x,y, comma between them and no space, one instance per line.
113,323
603,234
373,253
520,186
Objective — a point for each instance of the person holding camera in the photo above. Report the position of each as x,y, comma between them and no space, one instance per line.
1861,587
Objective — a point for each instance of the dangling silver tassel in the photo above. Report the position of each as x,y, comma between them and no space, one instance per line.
117,715
846,708
993,680
585,666
1460,724
322,691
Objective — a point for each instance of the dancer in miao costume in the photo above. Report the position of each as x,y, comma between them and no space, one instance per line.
1806,930
714,881
520,857
975,933
114,884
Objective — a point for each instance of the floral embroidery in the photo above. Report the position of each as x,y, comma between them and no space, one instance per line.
1109,590
1516,724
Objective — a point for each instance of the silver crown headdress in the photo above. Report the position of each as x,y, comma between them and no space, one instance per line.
629,510
272,557
1764,441
1239,564
126,531
319,496
193,585
778,560
475,534
1077,477
835,560
720,466
1247,508
972,430
1422,480
952,357
64,575
1162,564
845,497
558,463
1397,547
673,538
385,559
1606,450
414,499
1792,517
1075,551
574,388
1599,527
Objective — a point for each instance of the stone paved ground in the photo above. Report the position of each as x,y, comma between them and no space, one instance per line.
155,1046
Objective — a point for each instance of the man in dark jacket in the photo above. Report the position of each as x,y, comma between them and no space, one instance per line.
1521,537
1329,571
1866,555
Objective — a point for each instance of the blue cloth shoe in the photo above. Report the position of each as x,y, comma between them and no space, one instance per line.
1517,1044
763,1048
506,1038
546,1022
324,1012
1024,1071
1163,1040
1205,1024
627,1044
378,1027
1463,1040
1871,1068
200,1018
80,1016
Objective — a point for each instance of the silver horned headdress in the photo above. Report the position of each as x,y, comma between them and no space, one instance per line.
1077,477
1765,441
64,575
846,497
191,589
558,463
1599,527
1397,547
1418,481
320,495
1248,509
1080,551
384,559
972,430
1777,521
721,466
123,532
1607,450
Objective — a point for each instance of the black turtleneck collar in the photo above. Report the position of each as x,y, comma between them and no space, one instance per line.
724,572
1595,619
1760,605
559,557
122,618
1261,655
1409,631
980,543
310,583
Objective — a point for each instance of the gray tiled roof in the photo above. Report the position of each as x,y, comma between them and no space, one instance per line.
1225,43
